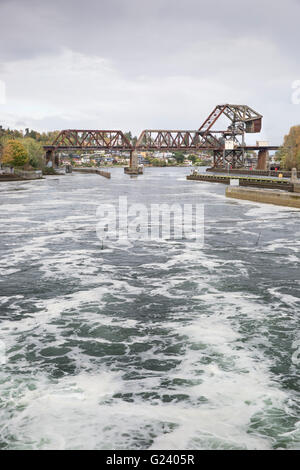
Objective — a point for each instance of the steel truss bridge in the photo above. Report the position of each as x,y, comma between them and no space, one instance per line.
227,145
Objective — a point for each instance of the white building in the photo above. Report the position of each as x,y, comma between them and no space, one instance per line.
163,155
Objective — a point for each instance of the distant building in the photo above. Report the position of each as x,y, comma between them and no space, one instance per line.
163,155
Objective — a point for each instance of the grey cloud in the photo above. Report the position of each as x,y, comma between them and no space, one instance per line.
247,51
137,33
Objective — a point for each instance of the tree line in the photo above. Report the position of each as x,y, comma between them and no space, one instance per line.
18,149
289,152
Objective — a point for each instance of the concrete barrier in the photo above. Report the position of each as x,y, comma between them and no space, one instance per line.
28,175
271,183
267,196
296,187
106,174
247,171
133,171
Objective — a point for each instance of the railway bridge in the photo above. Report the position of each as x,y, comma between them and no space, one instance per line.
227,145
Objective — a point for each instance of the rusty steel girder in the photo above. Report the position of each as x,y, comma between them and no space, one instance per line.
90,139
242,117
231,158
228,145
175,140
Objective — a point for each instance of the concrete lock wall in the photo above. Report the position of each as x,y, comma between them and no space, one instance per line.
297,188
268,196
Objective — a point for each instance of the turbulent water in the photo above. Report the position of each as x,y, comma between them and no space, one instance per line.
158,345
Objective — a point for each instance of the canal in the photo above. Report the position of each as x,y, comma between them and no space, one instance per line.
155,344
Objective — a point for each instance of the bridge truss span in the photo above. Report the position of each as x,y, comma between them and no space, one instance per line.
91,139
152,139
227,146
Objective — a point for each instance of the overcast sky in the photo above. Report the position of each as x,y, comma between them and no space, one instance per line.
136,64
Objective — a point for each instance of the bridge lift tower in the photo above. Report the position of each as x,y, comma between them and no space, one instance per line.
231,141
227,145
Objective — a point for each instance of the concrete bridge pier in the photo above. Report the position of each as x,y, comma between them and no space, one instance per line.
134,163
51,156
133,168
263,159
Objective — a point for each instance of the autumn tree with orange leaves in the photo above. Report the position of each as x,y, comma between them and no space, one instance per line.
14,154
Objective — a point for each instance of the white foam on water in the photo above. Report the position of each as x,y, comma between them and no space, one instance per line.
282,244
235,384
79,411
13,207
73,414
61,415
271,209
288,299
218,383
